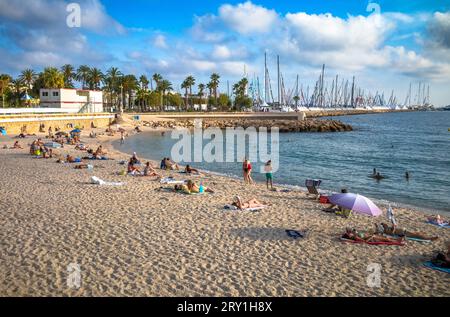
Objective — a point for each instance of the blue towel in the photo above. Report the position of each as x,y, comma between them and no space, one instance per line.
441,226
295,234
433,266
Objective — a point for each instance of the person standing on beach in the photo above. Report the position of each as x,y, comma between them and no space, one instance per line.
122,137
245,170
269,175
391,217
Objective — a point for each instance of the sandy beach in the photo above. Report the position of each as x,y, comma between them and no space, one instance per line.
134,241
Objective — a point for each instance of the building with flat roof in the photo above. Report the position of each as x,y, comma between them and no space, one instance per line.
72,100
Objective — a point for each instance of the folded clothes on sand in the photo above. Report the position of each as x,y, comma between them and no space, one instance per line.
296,234
97,181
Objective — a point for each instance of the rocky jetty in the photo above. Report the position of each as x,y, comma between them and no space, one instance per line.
308,125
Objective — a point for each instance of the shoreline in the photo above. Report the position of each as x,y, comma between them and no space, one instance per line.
134,241
380,202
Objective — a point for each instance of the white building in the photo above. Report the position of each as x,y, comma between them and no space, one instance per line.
72,100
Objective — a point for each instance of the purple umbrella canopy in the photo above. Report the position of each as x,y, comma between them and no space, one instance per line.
357,203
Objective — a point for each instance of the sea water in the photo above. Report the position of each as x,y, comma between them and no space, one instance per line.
393,143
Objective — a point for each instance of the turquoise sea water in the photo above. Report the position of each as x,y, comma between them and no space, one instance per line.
418,142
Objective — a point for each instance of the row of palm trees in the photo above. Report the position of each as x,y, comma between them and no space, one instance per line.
121,91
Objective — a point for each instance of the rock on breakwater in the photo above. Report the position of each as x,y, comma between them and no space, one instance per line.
308,125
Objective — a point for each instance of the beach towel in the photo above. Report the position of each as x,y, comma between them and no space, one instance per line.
409,238
171,181
433,266
233,207
442,225
296,234
370,243
97,181
53,145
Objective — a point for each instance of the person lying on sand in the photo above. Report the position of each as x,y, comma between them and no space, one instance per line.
361,236
438,220
192,188
190,170
385,229
442,259
71,159
150,171
252,203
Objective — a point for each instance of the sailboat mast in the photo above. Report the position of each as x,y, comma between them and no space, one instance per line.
353,92
279,84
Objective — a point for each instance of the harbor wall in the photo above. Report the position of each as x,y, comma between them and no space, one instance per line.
65,122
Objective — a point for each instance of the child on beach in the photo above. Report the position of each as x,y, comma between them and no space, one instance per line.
269,175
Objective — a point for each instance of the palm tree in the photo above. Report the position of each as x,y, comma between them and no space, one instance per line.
157,78
190,80
185,86
52,78
5,81
28,77
18,87
83,75
164,86
215,84
112,79
95,78
143,80
128,83
201,91
69,75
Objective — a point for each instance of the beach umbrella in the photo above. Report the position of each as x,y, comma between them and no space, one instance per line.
26,97
75,131
357,203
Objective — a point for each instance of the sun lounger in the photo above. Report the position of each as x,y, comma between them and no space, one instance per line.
313,187
433,266
371,242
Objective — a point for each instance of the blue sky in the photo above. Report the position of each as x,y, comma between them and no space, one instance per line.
409,41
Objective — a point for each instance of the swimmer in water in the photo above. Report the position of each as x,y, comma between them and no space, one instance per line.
407,175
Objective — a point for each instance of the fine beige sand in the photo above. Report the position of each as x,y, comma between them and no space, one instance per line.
135,241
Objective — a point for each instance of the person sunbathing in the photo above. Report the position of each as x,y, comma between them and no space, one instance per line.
361,236
71,159
403,232
171,165
252,203
132,169
442,259
190,170
194,188
437,220
150,171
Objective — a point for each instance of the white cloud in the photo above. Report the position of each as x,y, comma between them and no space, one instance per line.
221,52
247,18
159,41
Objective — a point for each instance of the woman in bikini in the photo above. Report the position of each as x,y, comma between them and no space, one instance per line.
252,203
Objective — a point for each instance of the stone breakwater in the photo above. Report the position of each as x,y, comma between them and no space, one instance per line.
308,125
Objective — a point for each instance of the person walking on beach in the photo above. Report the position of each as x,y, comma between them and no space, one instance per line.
269,175
247,170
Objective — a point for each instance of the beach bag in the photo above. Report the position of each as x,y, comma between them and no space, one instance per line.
324,200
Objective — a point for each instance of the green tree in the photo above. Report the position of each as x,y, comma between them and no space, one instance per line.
18,88
174,100
5,81
164,86
28,78
241,100
144,82
69,75
95,78
223,102
129,83
51,78
112,82
201,92
214,84
83,75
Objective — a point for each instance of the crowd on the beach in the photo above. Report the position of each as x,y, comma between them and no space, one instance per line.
380,234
